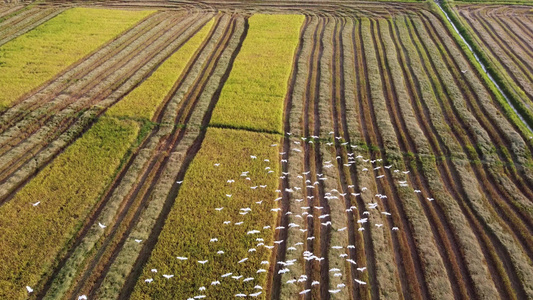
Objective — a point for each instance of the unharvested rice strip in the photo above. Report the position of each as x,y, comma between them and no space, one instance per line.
494,178
28,24
35,99
514,68
457,171
126,220
47,153
426,246
276,285
449,180
32,149
422,147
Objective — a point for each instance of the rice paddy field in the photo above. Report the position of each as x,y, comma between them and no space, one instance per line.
268,150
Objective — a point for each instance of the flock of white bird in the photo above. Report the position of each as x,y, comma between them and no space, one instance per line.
324,220
331,195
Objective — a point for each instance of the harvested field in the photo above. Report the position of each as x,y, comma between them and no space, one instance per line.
505,35
377,111
278,150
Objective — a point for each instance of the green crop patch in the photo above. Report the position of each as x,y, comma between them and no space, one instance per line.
194,220
35,57
50,207
144,100
253,95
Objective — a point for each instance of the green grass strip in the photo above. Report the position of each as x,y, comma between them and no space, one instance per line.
68,188
143,101
35,57
193,220
253,95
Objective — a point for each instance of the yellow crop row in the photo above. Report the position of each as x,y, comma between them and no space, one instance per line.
253,95
194,221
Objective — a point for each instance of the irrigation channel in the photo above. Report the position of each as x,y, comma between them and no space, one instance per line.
482,65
